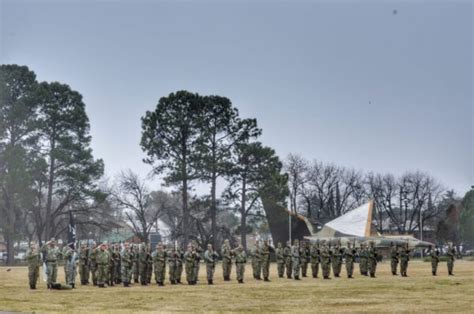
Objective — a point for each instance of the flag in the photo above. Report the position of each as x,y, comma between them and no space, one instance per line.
71,231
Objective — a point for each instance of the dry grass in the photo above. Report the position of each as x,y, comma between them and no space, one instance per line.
419,292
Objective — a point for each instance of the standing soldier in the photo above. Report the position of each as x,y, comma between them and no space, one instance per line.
325,261
434,260
304,258
149,268
34,261
314,259
102,258
159,264
70,264
50,255
240,260
179,256
451,255
394,258
126,265
210,257
197,260
287,255
172,265
226,253
295,259
266,250
111,265
337,260
257,261
135,263
363,259
189,264
117,261
142,264
349,254
93,263
84,264
280,259
372,259
404,258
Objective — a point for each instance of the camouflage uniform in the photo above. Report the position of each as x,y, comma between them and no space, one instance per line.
111,266
135,263
280,259
210,258
257,261
149,265
304,258
349,255
325,262
126,265
179,265
172,265
337,261
117,261
295,259
70,266
314,259
394,259
240,260
287,255
51,253
34,261
266,260
197,261
226,254
93,264
404,258
84,264
434,261
372,260
102,258
451,256
363,260
189,265
159,263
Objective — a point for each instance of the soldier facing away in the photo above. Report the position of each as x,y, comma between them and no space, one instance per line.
363,259
210,257
266,249
372,259
393,258
434,260
34,261
280,259
226,254
304,257
257,261
70,264
240,260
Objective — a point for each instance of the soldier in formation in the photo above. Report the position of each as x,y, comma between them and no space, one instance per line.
394,258
337,260
210,257
325,261
288,260
363,259
226,254
266,250
314,259
240,261
126,260
70,262
372,259
189,260
102,259
51,254
93,263
33,258
349,255
304,257
280,259
434,253
404,258
84,264
295,259
257,261
159,264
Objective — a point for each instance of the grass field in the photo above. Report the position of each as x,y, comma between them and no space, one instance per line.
420,292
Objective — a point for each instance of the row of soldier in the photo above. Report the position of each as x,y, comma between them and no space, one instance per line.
108,265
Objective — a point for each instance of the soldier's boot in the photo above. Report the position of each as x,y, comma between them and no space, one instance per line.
162,284
372,275
135,280
101,285
178,281
434,273
95,282
32,287
209,282
73,286
241,281
49,286
297,278
288,277
266,279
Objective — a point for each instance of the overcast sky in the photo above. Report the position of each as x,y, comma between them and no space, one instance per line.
378,86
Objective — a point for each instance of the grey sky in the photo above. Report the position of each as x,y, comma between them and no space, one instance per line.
346,82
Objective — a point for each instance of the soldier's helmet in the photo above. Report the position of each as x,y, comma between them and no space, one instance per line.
226,241
279,244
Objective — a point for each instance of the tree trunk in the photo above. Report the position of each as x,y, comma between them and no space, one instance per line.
185,226
10,251
243,216
213,211
49,201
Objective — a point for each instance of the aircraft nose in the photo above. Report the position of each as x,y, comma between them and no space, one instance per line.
424,244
